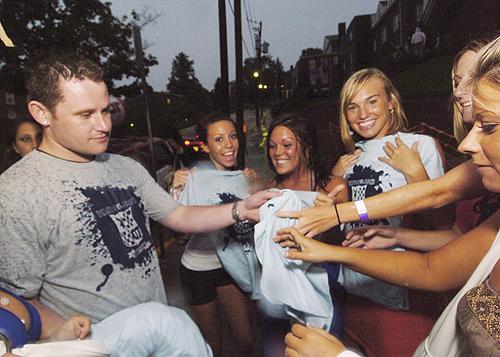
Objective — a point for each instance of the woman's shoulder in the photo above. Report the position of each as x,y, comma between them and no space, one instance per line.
416,137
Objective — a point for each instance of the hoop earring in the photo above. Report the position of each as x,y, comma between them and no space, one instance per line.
391,112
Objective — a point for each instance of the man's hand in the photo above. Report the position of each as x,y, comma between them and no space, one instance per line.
249,208
301,247
373,237
77,327
311,342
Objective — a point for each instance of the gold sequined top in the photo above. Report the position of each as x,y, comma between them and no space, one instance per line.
478,315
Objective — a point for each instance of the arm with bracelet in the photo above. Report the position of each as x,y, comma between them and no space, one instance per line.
461,183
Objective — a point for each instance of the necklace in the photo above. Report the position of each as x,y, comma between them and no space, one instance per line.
57,157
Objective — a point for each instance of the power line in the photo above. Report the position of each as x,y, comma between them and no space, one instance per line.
248,24
251,12
242,39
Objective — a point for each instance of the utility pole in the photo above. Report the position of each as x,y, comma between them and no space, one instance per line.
258,38
239,92
139,59
224,72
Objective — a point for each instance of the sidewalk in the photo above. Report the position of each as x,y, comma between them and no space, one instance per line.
255,157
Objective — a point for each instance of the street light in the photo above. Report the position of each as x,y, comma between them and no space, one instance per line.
265,86
260,86
255,74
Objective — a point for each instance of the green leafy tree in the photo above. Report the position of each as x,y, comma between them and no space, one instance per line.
87,27
311,52
218,94
271,74
183,82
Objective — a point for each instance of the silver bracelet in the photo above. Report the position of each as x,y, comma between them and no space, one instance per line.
5,344
235,213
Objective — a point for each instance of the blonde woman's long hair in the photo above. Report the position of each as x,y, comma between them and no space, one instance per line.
460,129
486,67
398,121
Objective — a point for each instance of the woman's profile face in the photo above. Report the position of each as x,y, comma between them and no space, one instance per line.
483,141
222,144
461,88
27,138
368,111
285,150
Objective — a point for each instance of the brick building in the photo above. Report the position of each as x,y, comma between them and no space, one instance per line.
356,46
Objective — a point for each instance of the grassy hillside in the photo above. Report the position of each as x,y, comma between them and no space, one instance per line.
426,79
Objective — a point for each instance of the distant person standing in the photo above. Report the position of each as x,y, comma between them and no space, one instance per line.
24,137
418,42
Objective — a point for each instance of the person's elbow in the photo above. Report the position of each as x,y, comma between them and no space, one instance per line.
178,220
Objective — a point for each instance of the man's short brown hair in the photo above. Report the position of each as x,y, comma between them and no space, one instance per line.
42,76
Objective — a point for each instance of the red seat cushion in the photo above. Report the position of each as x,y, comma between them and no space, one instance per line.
386,333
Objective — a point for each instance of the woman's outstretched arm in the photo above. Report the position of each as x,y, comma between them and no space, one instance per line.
446,268
458,184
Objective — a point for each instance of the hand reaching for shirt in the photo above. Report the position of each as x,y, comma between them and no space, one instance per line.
372,237
305,341
346,161
404,159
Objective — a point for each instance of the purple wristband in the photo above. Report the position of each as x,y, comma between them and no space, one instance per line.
362,211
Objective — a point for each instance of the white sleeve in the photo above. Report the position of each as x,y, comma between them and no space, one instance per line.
348,353
430,157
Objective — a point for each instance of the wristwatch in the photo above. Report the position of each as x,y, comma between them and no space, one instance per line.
5,345
241,230
235,213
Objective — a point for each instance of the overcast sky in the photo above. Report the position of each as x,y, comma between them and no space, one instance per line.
191,26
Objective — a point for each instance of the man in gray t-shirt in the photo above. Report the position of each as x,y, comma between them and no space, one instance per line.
73,219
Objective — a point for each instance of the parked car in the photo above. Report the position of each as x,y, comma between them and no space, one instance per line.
167,157
194,151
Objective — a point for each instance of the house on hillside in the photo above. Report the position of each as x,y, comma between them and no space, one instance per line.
449,24
392,27
356,46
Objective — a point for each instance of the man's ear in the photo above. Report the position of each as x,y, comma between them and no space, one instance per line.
39,112
14,147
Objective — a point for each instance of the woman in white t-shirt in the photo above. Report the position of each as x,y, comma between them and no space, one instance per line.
206,284
373,121
469,325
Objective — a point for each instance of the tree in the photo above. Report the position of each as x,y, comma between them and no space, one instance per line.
271,74
183,82
218,94
311,52
86,27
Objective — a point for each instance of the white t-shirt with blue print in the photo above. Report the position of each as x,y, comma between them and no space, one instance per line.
369,177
